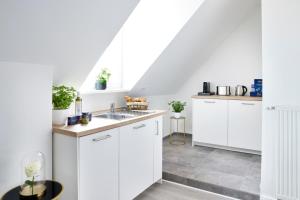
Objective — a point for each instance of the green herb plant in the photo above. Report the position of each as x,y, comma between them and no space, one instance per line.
62,97
177,106
103,76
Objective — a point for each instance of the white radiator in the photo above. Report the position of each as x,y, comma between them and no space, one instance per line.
287,158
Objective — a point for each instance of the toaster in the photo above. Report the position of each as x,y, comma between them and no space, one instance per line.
223,90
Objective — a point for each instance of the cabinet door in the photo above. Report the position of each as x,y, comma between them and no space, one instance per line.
98,168
136,158
245,124
210,121
157,166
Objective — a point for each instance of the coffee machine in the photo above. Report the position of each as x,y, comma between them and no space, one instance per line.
206,87
206,90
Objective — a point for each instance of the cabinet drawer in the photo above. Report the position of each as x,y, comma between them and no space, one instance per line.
245,124
210,121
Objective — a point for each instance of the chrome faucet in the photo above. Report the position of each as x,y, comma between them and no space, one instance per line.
112,107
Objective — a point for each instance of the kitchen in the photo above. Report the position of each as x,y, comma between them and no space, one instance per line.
109,58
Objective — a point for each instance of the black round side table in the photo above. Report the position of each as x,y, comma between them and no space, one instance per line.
53,192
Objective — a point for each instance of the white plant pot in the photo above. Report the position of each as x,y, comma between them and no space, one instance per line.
59,117
177,114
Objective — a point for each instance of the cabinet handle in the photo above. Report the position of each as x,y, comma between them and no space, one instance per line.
101,138
248,104
157,127
209,102
140,126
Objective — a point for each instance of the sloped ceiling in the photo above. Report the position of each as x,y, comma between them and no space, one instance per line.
209,26
69,35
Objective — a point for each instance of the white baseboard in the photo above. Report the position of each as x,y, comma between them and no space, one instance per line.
227,148
264,197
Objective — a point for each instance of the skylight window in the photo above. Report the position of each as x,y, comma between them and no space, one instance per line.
146,33
112,60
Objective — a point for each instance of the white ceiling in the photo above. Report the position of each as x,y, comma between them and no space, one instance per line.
69,35
209,26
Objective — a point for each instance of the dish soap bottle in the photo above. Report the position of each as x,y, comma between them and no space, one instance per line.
78,105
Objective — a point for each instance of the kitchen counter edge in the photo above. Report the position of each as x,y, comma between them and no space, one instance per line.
70,131
241,98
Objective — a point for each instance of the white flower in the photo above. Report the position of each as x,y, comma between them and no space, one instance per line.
33,169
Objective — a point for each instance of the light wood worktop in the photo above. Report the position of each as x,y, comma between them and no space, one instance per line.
241,98
100,124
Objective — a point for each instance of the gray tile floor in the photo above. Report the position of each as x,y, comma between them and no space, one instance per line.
169,191
233,170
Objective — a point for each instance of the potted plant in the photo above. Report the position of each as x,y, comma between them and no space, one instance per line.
177,107
62,98
102,79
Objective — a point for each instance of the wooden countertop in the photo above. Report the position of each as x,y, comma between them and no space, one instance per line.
241,98
100,124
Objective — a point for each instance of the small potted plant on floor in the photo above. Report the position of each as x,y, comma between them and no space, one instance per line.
62,98
177,107
102,79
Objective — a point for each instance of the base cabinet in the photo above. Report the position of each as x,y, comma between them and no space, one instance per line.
136,158
210,120
98,164
245,125
117,164
140,157
228,123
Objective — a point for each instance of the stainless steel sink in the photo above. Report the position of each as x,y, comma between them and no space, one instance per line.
116,116
120,115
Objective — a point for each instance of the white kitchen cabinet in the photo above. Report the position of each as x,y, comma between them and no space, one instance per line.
87,166
245,124
230,124
210,121
136,158
158,138
117,164
98,158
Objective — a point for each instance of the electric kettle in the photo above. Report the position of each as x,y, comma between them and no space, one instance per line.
240,90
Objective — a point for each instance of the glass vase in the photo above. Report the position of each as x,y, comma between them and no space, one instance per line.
33,176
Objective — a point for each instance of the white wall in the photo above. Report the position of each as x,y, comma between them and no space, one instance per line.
70,35
213,23
97,102
281,47
236,61
25,119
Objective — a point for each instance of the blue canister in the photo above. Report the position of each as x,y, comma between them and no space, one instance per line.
73,120
87,114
